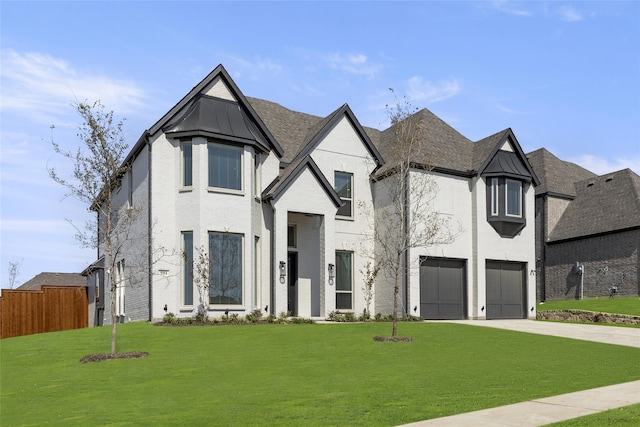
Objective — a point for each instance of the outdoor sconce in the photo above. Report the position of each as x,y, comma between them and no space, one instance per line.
332,273
283,271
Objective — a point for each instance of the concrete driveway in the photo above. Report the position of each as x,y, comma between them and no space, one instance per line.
599,333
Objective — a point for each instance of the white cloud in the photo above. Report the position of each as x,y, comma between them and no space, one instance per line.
601,166
430,92
511,8
40,86
569,14
358,64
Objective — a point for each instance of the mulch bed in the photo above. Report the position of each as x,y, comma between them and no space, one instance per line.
393,339
100,357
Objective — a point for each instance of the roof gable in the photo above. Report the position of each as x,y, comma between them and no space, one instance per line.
320,130
211,85
294,170
491,159
216,118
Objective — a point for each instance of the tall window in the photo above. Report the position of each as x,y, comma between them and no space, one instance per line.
344,280
187,268
187,164
257,184
120,288
225,269
225,166
130,187
344,185
514,198
494,196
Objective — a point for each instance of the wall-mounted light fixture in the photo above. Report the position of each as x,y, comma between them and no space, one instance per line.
283,271
332,274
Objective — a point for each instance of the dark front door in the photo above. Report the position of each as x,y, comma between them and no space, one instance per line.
442,288
292,281
505,290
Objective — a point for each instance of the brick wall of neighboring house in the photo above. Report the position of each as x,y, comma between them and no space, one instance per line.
608,260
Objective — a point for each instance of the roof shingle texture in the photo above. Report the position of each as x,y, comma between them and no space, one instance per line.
603,204
54,279
555,175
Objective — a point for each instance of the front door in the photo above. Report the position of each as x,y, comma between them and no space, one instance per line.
292,281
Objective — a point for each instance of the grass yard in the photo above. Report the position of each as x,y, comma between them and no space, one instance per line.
292,374
619,305
628,416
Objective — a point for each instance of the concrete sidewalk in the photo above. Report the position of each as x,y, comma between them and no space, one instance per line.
544,411
553,409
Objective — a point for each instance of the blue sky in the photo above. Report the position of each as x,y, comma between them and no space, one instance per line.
562,75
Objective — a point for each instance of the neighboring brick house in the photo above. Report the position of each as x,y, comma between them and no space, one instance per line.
272,195
587,230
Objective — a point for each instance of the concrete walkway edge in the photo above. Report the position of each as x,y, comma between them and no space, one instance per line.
544,411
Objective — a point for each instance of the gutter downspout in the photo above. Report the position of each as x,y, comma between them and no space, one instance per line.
543,250
149,227
405,276
272,258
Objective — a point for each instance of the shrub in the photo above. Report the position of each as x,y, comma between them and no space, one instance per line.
349,317
169,318
255,316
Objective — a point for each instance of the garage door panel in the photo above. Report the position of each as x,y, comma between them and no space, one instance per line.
442,289
505,290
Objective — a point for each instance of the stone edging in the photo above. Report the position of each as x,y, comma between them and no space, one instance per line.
587,317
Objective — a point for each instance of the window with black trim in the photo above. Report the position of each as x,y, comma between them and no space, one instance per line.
344,188
187,164
505,205
225,166
344,280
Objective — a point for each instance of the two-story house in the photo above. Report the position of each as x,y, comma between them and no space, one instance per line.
273,197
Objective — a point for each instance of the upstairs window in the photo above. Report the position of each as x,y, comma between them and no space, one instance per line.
514,198
495,196
225,166
505,205
187,164
344,186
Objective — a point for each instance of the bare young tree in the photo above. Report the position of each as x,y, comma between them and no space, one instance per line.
201,277
13,270
405,217
98,170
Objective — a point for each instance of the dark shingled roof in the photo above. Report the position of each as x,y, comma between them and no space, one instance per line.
289,127
555,175
603,204
443,147
54,279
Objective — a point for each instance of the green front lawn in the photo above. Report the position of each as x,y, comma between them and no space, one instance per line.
292,374
627,416
617,304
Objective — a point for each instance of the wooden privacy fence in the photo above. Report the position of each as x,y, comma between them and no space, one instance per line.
54,308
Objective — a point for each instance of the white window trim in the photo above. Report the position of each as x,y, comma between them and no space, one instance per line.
495,202
506,198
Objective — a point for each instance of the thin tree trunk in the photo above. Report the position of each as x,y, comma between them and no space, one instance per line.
396,292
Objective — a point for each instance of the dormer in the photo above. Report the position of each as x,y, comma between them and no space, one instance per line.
507,175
